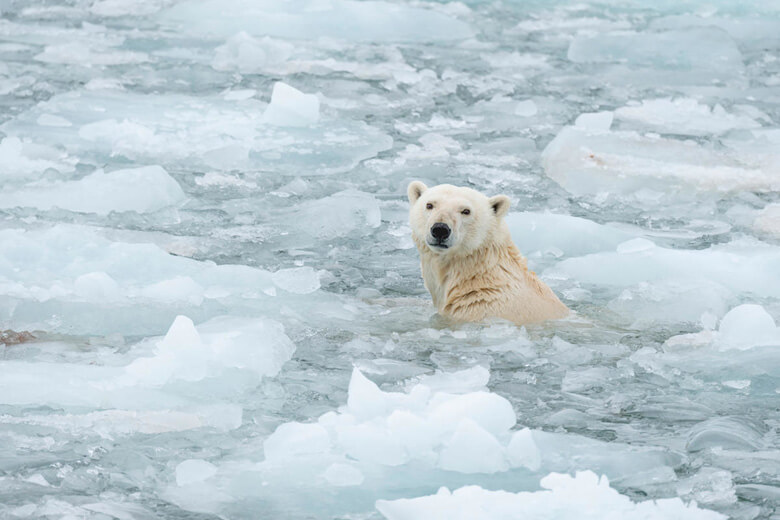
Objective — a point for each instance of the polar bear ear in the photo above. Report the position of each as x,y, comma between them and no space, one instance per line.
415,189
499,204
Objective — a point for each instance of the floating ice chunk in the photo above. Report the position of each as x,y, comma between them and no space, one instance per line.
741,267
469,380
52,120
250,55
207,131
635,245
526,108
490,411
372,21
768,221
343,475
23,160
291,107
296,439
523,451
143,190
96,286
572,236
749,31
683,116
730,433
194,470
597,121
589,162
747,326
337,215
189,354
697,48
471,449
583,497
139,288
298,280
115,8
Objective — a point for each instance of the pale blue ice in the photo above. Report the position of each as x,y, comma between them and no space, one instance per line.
203,224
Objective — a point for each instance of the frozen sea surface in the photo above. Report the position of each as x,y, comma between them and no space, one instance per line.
203,224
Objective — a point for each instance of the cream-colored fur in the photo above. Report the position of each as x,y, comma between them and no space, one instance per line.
479,273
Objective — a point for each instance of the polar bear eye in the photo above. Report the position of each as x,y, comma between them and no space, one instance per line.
466,212
429,206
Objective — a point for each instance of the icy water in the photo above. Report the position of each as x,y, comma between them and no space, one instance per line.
228,313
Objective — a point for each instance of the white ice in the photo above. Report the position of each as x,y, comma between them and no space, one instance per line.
142,190
374,21
174,130
563,497
655,283
121,287
291,107
697,48
588,162
685,116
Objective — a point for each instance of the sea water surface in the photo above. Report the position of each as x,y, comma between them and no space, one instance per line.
203,223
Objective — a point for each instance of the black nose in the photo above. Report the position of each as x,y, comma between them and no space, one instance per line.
440,231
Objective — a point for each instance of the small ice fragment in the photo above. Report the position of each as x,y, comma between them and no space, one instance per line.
490,411
96,285
291,107
194,470
747,326
597,121
635,245
291,439
297,280
739,384
526,108
343,475
52,120
471,449
522,450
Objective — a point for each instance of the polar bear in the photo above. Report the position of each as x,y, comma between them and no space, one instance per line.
469,263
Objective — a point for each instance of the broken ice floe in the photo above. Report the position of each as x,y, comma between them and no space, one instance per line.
583,496
142,190
452,428
374,21
73,279
176,130
592,162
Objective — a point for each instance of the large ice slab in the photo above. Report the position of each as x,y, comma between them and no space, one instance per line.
624,163
73,279
177,130
768,221
652,284
373,21
160,389
694,48
562,235
143,190
563,497
684,116
25,160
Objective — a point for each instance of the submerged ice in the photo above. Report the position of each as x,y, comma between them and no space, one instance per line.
210,304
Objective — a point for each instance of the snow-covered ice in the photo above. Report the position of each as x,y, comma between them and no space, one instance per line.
211,306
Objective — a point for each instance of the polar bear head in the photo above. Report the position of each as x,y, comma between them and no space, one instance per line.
451,220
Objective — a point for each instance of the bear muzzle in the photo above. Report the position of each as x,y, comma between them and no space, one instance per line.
439,237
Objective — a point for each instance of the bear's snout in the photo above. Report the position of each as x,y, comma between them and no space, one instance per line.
440,232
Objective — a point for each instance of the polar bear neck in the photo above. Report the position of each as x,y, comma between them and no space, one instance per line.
486,270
